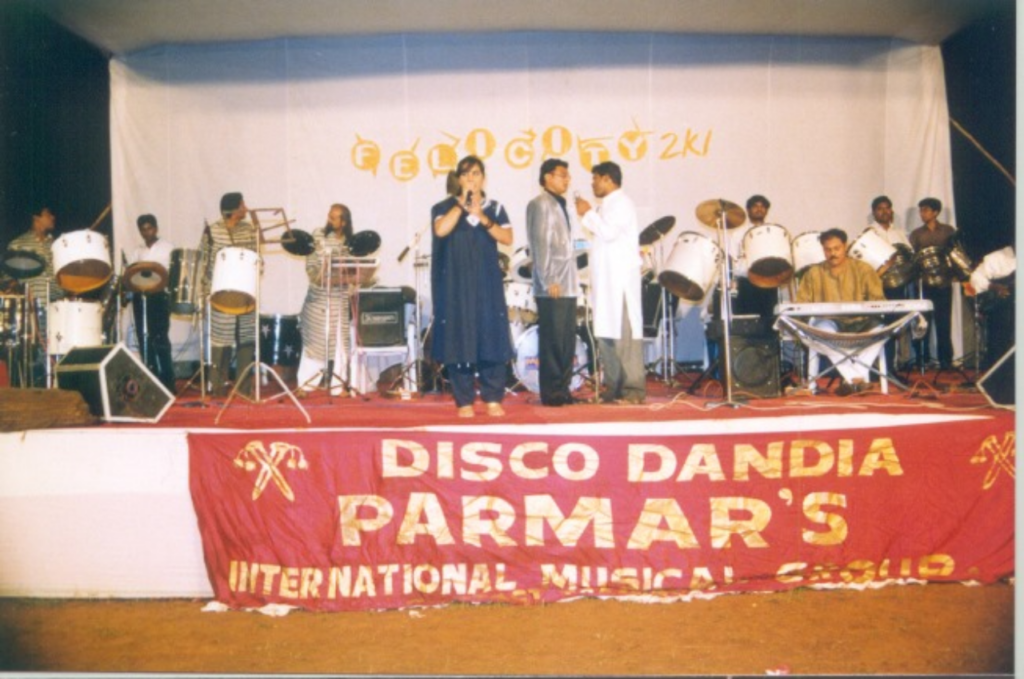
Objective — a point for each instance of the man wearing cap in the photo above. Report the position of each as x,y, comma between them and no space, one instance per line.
228,331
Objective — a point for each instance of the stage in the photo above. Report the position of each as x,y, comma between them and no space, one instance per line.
911,486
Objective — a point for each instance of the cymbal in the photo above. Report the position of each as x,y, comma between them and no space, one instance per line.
298,243
655,231
710,212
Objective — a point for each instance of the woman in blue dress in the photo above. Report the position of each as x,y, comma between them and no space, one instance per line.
471,333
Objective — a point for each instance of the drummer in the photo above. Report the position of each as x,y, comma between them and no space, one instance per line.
751,299
153,330
321,336
38,241
886,227
933,233
228,332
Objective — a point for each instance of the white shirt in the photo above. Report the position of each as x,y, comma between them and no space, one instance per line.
615,265
893,235
995,265
159,253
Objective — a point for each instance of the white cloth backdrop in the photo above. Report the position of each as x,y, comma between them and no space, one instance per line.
820,126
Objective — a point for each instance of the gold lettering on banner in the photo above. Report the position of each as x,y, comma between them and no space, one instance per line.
442,158
542,510
648,529
593,151
724,526
519,152
838,528
633,143
500,517
481,143
353,525
427,506
1003,455
366,155
405,165
861,571
556,141
254,456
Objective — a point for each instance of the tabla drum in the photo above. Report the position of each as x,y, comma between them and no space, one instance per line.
768,252
280,340
933,267
807,251
959,263
521,267
522,307
872,249
233,290
71,324
11,309
147,278
692,266
183,280
527,365
81,260
22,264
901,269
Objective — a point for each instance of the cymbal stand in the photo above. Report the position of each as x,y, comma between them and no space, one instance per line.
258,368
415,348
201,314
326,373
725,301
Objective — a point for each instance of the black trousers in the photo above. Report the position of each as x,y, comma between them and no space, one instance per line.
556,347
942,300
155,345
897,293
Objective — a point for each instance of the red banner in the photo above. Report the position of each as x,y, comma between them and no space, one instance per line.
385,519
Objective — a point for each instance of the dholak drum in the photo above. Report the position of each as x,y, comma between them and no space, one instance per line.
22,264
901,268
527,365
280,340
959,263
81,260
692,266
807,251
11,309
768,252
933,266
522,307
74,324
146,277
233,290
183,283
872,249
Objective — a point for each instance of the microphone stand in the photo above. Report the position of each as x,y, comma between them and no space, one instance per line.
725,304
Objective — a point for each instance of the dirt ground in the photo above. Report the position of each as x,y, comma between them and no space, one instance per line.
947,629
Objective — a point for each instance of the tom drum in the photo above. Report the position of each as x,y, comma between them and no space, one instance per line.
82,261
74,324
768,253
233,290
807,251
691,267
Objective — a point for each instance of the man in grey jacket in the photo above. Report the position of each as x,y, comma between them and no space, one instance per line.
554,282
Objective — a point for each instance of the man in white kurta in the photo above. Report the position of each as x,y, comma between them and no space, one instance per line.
615,273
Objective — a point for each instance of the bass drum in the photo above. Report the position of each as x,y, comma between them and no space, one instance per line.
527,365
280,340
74,324
692,267
183,281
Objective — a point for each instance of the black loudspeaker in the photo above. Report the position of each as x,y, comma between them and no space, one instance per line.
381,318
755,364
114,383
998,382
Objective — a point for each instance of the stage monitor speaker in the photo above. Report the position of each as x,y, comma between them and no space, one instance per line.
998,382
381,318
114,383
755,365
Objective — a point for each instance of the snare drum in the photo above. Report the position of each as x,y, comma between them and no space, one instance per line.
233,290
280,340
872,249
74,324
692,267
768,252
901,268
807,251
933,266
959,263
522,307
81,260
183,280
527,365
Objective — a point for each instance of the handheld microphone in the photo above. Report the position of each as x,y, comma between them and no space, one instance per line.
469,197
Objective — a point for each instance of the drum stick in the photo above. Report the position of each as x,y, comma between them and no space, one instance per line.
103,215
